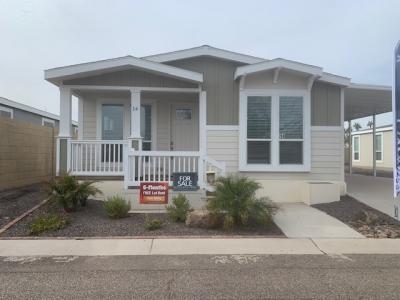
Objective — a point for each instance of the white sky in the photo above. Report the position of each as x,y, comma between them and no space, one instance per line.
351,38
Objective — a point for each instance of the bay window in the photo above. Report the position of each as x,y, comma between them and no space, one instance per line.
275,131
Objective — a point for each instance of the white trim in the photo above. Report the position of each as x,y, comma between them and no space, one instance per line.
381,135
362,86
102,65
365,131
129,88
277,63
342,146
9,110
80,118
202,122
359,148
274,166
204,50
48,121
222,127
335,79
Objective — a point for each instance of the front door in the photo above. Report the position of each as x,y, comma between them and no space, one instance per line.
184,127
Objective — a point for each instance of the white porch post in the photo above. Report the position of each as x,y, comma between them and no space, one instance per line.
202,135
64,135
350,149
373,146
135,137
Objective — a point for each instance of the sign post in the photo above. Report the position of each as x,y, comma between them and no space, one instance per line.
396,128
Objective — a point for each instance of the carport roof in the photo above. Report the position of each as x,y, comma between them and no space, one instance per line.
363,100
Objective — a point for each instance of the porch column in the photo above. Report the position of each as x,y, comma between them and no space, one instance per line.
64,134
350,149
202,135
373,146
135,137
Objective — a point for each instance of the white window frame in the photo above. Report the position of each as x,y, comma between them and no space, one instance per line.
7,109
381,135
48,121
359,148
274,166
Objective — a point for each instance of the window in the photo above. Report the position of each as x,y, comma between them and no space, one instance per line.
6,112
145,126
275,129
112,129
48,122
290,130
379,147
356,148
259,130
183,114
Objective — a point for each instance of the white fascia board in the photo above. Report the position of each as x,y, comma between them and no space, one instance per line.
375,87
335,79
278,63
31,109
204,51
366,131
120,62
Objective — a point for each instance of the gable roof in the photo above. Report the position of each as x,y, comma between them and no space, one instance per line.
204,50
280,63
57,74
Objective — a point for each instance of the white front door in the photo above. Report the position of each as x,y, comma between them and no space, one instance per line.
184,127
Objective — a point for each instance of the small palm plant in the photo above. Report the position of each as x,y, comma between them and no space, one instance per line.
84,190
235,200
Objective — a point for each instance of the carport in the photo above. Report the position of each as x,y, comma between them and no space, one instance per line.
363,101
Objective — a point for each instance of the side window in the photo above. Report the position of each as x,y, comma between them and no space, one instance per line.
48,122
6,112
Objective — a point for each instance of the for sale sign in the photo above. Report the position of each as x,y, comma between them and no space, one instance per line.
154,193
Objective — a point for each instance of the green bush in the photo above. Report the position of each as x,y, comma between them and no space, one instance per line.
235,200
153,224
49,222
179,208
70,193
116,207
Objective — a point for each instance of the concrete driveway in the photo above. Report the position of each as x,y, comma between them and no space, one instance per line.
376,192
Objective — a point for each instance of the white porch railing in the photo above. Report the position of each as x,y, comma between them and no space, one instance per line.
153,166
96,157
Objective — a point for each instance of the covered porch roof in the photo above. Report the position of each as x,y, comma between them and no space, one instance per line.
362,100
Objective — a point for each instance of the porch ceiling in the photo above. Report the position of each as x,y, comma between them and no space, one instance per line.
365,100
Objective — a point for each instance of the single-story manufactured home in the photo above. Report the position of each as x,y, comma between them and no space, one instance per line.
210,112
362,149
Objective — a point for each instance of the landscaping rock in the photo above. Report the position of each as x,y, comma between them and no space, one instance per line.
201,219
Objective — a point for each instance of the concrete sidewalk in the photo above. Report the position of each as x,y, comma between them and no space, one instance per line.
298,220
190,246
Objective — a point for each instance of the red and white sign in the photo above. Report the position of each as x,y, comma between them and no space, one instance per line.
154,193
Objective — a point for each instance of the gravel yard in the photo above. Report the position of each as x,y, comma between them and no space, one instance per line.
92,221
351,211
15,202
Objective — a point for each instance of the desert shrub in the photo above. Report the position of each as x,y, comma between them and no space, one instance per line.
236,202
70,193
116,207
153,224
49,222
179,208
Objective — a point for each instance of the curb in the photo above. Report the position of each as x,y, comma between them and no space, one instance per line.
20,217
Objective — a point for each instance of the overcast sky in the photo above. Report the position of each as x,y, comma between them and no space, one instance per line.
350,38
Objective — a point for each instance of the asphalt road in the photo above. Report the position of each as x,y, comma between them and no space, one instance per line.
201,277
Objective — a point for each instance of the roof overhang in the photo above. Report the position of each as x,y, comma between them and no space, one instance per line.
204,50
362,100
57,75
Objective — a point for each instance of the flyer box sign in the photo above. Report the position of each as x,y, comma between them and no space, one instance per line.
154,193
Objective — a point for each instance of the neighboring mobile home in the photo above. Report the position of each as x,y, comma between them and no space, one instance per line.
17,111
362,149
204,109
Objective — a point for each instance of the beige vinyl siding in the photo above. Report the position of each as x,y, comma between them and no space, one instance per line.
223,145
366,151
89,119
131,78
325,105
326,155
222,90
